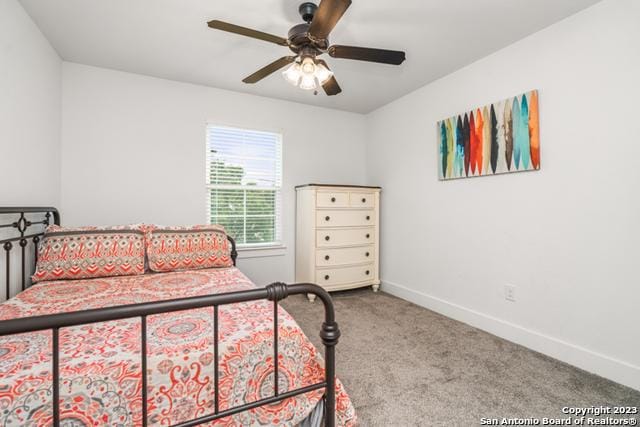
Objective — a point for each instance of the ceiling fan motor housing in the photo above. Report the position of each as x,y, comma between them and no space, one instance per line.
299,35
299,40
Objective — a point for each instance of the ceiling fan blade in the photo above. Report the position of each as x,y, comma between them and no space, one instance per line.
248,32
269,69
393,57
331,86
327,16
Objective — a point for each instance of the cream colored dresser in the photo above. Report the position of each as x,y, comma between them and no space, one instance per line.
337,236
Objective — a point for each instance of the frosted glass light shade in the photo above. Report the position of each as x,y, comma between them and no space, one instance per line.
323,73
293,74
308,82
308,66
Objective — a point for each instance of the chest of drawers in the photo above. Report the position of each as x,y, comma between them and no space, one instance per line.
337,236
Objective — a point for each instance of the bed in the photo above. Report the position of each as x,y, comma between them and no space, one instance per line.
205,338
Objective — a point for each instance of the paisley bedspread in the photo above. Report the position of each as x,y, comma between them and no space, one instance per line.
100,363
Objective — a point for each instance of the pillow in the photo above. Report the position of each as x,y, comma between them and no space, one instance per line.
187,248
89,252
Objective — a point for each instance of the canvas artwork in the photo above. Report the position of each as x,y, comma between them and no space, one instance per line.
498,138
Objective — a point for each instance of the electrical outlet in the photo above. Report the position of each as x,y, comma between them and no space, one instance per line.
510,293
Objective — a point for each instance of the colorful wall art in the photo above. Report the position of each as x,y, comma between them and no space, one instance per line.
501,137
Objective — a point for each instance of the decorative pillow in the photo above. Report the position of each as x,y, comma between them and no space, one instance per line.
186,248
88,252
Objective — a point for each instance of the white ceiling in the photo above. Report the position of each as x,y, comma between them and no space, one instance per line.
170,39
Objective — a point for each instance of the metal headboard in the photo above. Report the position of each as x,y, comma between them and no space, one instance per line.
20,230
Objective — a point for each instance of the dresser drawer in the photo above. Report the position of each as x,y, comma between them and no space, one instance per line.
345,218
346,237
361,200
332,199
336,276
342,256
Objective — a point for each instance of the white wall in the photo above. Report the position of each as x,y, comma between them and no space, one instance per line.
134,151
566,236
30,94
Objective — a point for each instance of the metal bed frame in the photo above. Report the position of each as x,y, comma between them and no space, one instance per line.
273,292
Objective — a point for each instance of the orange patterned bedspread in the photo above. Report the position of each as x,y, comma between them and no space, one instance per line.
100,363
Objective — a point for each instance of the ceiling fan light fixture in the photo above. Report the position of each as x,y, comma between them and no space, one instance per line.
307,74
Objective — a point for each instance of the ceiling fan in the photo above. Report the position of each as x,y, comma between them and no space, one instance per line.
308,41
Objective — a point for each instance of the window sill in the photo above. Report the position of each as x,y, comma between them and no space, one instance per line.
259,252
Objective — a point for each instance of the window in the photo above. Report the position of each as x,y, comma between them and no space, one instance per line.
244,182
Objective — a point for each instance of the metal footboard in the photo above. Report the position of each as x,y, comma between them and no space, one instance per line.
273,292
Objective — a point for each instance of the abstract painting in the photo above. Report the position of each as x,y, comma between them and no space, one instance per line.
499,138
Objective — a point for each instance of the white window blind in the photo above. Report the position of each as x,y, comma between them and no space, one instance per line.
244,180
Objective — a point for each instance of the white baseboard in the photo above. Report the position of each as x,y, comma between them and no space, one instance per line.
599,364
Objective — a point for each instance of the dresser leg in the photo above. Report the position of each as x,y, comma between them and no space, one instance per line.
375,288
311,297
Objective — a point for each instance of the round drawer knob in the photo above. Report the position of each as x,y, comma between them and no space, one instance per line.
326,277
366,272
333,200
326,238
364,200
327,218
368,217
368,235
366,254
326,257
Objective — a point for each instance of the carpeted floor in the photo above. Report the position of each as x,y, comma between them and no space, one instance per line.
404,365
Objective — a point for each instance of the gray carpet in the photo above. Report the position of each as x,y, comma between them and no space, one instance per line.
404,365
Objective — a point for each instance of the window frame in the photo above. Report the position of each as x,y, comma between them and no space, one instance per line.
250,250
